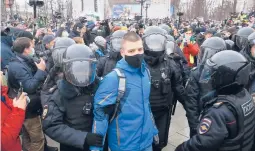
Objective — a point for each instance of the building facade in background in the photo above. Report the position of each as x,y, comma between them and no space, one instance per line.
161,7
245,5
157,9
89,6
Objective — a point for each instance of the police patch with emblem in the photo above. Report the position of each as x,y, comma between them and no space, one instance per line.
45,111
205,125
248,107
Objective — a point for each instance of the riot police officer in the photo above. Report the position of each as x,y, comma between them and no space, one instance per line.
55,72
230,44
193,105
227,121
107,63
249,53
99,47
251,85
175,53
241,38
67,116
166,28
165,80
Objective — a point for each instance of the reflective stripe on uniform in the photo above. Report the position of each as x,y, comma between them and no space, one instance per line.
105,98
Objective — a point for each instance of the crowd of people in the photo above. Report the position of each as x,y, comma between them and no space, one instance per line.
106,85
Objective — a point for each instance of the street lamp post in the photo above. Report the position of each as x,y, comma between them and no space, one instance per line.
147,5
179,14
142,1
147,2
35,3
10,6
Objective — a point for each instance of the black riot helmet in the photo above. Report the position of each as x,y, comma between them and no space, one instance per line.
230,44
251,39
170,45
154,39
79,65
251,43
166,28
241,37
116,39
226,71
170,38
210,47
61,45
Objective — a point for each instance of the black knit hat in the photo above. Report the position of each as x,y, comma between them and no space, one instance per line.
47,39
25,34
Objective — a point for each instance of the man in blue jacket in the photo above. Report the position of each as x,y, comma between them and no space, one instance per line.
6,44
133,129
23,70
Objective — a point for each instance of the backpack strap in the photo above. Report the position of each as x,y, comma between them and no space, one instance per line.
122,83
121,91
99,53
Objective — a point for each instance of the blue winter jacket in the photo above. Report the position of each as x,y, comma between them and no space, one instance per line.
6,52
133,129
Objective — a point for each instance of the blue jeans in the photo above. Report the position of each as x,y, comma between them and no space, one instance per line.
148,149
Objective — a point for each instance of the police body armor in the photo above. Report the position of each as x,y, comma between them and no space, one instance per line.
195,73
77,113
109,65
243,105
161,90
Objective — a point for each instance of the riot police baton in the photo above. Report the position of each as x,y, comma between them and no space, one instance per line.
253,96
174,107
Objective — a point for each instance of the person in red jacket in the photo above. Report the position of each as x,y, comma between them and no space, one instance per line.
189,48
12,118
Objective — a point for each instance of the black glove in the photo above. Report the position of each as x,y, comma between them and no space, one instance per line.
179,148
193,131
94,139
252,75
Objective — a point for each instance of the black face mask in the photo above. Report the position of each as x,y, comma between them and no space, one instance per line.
135,61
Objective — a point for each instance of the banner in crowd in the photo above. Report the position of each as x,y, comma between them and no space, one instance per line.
125,11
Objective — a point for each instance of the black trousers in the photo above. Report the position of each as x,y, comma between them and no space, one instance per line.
162,120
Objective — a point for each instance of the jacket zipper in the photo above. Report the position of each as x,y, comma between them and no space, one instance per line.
117,129
143,110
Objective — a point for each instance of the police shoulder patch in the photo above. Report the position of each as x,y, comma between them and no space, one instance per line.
45,111
205,125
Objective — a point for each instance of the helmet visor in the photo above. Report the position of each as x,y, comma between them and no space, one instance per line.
241,42
206,81
206,74
116,44
252,42
155,42
57,55
170,47
204,54
80,72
